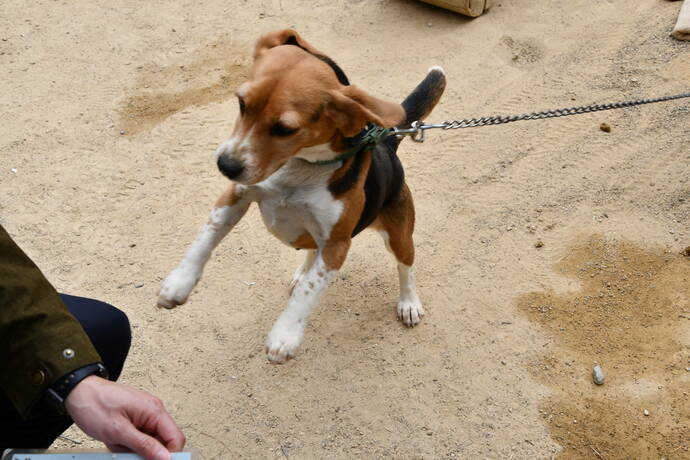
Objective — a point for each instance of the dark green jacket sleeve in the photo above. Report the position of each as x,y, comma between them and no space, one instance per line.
35,330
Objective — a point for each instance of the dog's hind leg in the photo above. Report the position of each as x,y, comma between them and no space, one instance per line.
229,209
396,224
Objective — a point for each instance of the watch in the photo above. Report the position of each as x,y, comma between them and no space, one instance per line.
58,391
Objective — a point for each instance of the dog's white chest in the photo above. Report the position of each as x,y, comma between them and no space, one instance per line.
285,216
296,200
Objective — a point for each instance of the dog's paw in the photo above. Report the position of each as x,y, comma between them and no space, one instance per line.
176,287
410,311
282,343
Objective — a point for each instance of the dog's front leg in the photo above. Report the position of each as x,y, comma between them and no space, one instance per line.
229,209
288,330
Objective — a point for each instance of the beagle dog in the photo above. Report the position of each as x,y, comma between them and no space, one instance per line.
302,150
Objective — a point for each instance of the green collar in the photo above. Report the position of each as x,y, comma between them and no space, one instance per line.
369,140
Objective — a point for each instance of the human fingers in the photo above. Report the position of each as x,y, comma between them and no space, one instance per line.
117,448
142,444
166,429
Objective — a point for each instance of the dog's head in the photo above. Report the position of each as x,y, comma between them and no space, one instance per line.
294,98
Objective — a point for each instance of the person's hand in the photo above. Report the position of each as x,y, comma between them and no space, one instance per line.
124,418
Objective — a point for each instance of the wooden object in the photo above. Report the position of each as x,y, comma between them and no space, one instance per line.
682,29
472,8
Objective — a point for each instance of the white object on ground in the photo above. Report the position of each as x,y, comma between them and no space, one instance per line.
682,29
598,375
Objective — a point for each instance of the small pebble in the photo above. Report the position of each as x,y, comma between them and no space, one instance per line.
122,132
646,413
605,127
598,375
539,244
14,170
138,285
686,251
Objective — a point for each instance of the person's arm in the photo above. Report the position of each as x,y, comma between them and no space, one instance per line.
40,341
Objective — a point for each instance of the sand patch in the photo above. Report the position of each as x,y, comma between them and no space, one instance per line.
629,316
210,75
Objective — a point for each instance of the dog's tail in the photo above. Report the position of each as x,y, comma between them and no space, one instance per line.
421,100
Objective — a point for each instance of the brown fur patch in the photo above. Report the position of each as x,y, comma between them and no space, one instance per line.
229,197
281,37
338,244
335,253
352,108
398,221
340,172
304,241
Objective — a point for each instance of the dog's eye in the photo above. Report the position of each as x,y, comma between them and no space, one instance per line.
242,107
281,130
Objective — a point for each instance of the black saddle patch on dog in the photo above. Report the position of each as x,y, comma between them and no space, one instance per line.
382,186
384,182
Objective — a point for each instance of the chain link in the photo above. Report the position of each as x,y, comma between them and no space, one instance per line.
416,131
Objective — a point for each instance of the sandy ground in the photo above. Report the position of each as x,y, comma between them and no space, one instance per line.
111,111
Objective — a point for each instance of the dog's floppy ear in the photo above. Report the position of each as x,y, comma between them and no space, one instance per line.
352,108
281,37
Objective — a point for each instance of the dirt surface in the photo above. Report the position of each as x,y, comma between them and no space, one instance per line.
629,317
111,111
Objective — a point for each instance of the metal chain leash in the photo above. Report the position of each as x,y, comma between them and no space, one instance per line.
417,128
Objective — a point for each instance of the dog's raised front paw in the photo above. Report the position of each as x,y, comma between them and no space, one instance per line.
410,311
176,287
282,343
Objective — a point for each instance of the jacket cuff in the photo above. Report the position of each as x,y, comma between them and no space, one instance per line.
40,341
31,372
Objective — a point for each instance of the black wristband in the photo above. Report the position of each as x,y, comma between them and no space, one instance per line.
58,392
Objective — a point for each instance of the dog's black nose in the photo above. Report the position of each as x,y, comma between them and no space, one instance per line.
230,167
